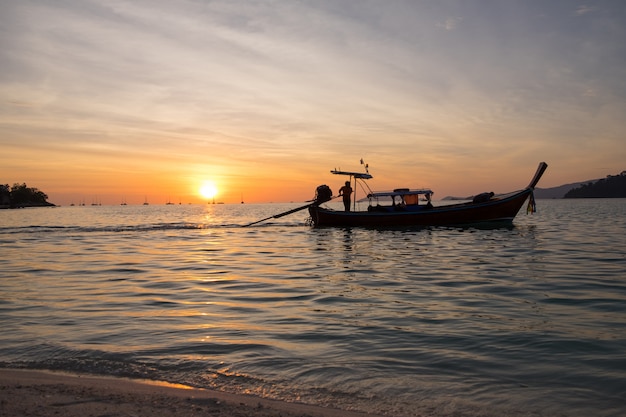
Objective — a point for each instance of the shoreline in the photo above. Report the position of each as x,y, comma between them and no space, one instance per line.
29,393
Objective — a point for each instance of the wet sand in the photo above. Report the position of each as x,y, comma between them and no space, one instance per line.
26,393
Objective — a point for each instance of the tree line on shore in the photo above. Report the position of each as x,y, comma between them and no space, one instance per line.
20,195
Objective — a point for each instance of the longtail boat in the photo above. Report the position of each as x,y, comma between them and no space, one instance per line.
414,207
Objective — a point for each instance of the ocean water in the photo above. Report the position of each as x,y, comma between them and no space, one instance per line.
528,320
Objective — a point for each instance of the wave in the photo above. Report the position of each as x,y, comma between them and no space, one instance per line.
112,228
134,228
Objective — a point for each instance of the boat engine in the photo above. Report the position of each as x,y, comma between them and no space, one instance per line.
323,193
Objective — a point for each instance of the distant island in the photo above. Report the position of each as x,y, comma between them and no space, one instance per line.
20,196
613,186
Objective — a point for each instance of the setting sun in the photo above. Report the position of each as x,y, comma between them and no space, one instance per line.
208,190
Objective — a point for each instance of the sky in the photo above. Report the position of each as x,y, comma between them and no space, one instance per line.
150,99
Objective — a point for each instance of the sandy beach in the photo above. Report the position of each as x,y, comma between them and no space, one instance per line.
27,393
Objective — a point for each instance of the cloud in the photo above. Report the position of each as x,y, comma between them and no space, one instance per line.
450,23
583,10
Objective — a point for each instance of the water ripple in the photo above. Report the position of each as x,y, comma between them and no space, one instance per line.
518,321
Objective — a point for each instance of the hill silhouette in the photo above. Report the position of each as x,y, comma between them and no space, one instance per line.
560,191
613,186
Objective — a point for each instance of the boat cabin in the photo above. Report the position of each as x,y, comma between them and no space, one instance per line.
402,199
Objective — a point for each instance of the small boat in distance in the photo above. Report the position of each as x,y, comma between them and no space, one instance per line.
413,207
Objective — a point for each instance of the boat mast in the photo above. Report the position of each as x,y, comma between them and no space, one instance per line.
357,175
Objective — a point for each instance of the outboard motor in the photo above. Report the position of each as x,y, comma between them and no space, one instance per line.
323,193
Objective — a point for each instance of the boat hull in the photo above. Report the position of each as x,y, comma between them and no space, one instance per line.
501,210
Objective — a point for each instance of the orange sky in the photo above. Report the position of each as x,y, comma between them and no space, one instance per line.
132,100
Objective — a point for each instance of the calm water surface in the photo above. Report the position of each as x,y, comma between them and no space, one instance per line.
528,320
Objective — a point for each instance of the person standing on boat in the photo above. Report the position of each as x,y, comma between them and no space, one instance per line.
346,192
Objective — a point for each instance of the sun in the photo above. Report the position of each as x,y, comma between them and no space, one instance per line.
208,190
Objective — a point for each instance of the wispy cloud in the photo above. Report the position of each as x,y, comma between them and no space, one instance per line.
584,9
450,23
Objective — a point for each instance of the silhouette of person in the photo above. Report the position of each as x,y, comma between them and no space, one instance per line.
346,192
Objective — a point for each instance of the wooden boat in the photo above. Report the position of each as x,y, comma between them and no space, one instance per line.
414,207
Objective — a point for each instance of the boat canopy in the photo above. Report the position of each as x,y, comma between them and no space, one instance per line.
359,175
400,192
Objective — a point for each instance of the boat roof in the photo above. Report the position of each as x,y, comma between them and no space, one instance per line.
400,192
360,175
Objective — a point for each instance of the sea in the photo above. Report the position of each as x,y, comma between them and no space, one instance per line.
521,320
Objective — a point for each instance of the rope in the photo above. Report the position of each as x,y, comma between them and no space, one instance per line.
532,206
